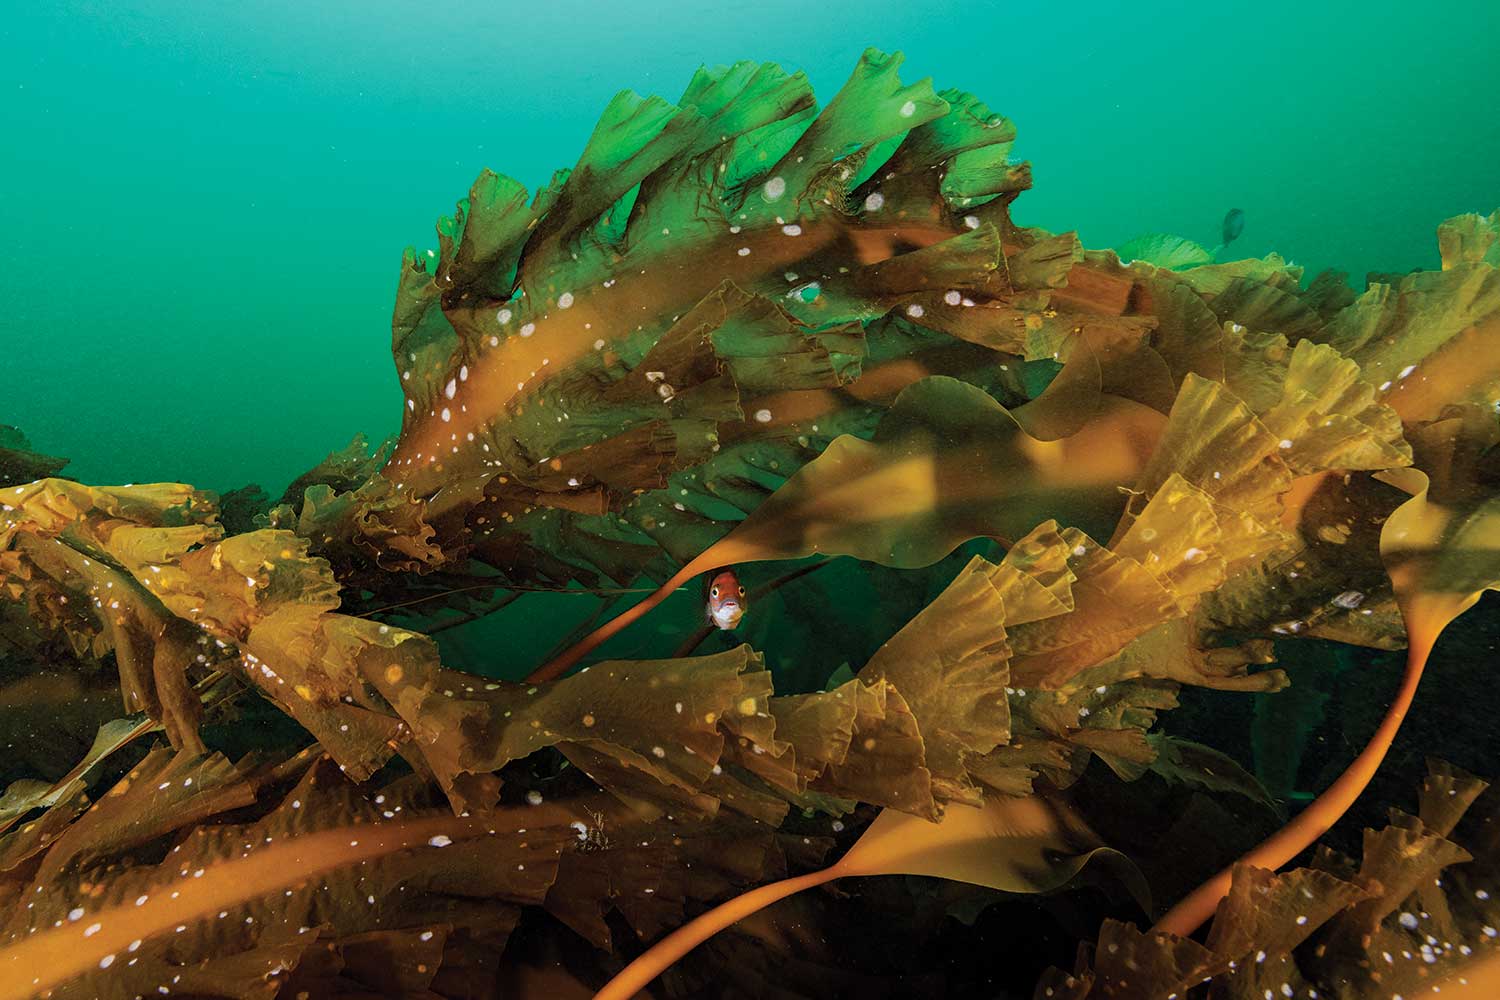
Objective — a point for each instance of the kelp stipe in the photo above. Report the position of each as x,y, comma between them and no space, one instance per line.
743,329
1413,915
1014,845
323,855
1441,554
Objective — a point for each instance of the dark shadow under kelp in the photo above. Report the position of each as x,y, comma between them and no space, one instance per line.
741,331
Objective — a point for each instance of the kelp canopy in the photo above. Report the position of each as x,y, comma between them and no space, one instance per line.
741,330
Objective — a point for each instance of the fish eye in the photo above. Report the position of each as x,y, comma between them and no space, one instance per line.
742,591
714,592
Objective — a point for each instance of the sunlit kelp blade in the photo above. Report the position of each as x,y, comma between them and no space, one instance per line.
536,358
1172,252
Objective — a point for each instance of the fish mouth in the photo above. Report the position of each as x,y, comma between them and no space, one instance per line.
728,615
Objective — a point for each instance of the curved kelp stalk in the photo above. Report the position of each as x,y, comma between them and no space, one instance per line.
1014,845
1441,557
319,853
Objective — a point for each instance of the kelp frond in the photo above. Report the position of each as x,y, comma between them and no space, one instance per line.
744,330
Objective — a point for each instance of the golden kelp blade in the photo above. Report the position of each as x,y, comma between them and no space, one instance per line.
1014,845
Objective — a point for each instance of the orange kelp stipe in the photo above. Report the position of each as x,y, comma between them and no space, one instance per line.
1437,575
638,974
1032,844
1477,981
1311,823
51,957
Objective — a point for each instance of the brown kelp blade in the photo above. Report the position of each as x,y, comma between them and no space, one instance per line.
324,855
1028,845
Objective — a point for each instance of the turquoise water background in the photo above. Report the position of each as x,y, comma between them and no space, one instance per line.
205,204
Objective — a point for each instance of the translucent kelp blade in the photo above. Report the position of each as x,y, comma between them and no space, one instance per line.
62,544
662,717
1428,342
1326,579
955,685
709,182
373,523
1216,443
1214,279
1015,845
1257,305
1187,334
1470,239
260,602
163,793
1185,762
22,796
947,463
1164,250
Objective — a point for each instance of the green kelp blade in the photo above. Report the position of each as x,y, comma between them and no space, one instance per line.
947,463
1029,845
1165,250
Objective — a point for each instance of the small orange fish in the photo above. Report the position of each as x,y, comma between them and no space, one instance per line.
725,598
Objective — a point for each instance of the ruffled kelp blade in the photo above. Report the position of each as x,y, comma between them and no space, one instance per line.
946,464
1029,845
1163,250
1442,553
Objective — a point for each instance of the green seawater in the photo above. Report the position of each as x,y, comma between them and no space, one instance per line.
205,204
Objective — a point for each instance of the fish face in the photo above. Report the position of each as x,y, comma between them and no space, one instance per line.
726,600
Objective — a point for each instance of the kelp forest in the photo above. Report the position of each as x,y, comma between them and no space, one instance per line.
458,715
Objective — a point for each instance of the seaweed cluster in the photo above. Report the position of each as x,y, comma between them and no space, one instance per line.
742,331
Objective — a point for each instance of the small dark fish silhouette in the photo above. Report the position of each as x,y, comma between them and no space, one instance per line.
1234,224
